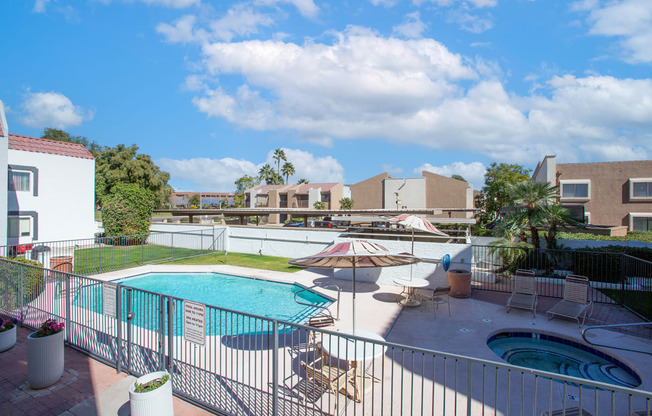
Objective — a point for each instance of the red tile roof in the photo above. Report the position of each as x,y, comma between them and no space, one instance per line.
53,147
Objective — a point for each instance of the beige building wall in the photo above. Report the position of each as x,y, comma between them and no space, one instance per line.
609,201
411,192
445,192
368,194
337,193
273,202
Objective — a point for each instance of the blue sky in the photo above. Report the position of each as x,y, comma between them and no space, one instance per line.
349,89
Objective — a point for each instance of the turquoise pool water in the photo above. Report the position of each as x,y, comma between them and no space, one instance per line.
561,356
264,298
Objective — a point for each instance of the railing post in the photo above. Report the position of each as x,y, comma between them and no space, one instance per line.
129,317
201,241
622,279
67,277
170,335
161,332
118,319
22,297
275,368
469,387
172,245
142,253
100,256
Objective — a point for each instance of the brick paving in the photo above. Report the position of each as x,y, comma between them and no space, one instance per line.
82,379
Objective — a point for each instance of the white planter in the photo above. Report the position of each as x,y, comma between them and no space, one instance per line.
152,403
44,360
7,339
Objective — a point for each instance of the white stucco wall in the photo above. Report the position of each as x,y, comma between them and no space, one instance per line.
411,192
66,196
3,174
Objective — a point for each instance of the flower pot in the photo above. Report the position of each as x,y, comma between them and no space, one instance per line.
460,283
44,359
7,339
157,402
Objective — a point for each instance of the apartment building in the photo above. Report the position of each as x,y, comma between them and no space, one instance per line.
180,199
609,193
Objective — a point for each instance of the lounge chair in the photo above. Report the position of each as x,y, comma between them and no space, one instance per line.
328,378
575,303
524,295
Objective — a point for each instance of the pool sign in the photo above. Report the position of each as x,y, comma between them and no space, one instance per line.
109,299
194,322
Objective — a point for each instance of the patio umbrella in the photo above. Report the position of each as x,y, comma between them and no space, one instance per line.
353,255
416,223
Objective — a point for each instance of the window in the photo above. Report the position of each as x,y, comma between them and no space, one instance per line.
640,188
587,218
575,189
326,197
18,227
19,181
640,222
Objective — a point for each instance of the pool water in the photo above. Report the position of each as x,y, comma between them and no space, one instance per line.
264,298
561,356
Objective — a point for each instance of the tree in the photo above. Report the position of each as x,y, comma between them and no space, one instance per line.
266,172
529,199
127,212
458,177
279,154
346,203
122,164
558,216
302,180
276,179
288,169
497,177
194,200
241,185
62,136
319,205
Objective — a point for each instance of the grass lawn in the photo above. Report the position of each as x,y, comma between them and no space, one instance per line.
638,300
254,261
102,259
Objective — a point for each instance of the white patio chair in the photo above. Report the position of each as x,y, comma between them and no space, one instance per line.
524,295
575,302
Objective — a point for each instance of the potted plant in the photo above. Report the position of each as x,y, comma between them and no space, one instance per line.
7,334
151,394
45,355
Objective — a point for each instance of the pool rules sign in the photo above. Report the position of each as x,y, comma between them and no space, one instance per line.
194,322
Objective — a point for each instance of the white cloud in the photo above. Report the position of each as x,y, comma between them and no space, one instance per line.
180,32
385,3
208,174
412,26
176,4
306,8
307,165
629,20
473,172
391,169
364,85
476,3
220,174
470,22
40,6
240,20
52,109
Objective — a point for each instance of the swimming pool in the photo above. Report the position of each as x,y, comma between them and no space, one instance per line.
264,298
561,356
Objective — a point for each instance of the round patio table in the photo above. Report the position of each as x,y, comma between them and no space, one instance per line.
410,287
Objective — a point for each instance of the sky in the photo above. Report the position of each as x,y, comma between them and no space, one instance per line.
348,89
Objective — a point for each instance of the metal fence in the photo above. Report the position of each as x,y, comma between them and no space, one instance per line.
252,365
104,254
615,277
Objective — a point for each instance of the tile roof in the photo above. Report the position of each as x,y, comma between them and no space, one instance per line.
53,147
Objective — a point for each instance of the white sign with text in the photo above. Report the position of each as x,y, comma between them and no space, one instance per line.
194,322
109,291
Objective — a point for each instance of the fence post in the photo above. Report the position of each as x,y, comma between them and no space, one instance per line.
170,335
129,317
161,332
622,279
100,256
67,277
142,253
172,245
275,368
118,319
22,298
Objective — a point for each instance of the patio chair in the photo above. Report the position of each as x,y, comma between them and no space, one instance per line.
328,378
439,295
524,295
575,303
314,337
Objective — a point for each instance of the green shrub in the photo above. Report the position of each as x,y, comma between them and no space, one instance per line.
33,282
644,236
127,212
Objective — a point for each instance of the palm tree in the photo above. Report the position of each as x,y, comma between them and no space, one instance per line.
279,154
557,215
346,203
266,172
302,180
510,251
288,169
530,197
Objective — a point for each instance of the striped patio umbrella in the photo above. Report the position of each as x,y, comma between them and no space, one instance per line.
353,255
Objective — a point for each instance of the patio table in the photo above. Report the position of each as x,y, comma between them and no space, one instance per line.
410,287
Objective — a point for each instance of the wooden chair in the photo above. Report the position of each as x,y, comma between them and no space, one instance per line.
524,295
575,302
328,378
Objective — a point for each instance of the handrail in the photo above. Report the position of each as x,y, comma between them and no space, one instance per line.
588,328
324,285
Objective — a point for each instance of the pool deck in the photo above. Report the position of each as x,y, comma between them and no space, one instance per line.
89,387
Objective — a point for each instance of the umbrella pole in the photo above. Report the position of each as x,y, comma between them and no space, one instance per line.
353,297
412,253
